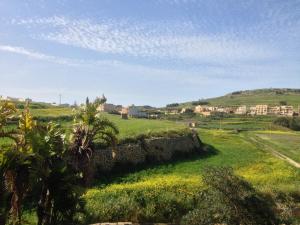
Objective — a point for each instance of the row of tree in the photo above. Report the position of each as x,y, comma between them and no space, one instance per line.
44,170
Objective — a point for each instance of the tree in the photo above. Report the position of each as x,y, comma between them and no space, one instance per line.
16,161
89,129
283,102
57,186
228,199
37,162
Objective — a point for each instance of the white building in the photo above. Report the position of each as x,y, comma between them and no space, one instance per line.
134,111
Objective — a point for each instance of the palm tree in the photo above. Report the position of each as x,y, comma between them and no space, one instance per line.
15,166
59,193
90,128
37,161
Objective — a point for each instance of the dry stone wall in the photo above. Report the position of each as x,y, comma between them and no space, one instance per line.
156,149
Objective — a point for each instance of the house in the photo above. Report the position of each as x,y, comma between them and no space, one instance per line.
261,110
124,113
286,110
106,107
252,110
241,110
134,111
205,110
274,110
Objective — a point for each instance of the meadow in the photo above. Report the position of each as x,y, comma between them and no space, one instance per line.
164,192
287,143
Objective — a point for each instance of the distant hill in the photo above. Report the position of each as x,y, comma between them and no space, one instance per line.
273,96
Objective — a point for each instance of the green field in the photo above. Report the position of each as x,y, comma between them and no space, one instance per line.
52,112
237,123
181,180
287,143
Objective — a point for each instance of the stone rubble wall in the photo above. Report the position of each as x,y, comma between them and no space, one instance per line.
156,149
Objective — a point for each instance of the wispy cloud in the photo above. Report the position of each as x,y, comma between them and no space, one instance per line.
140,40
35,55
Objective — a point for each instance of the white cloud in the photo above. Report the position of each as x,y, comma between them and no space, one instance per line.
35,55
149,40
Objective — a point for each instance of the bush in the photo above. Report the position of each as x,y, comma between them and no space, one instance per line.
138,205
291,123
229,199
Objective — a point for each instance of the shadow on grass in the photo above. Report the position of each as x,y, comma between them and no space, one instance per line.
122,170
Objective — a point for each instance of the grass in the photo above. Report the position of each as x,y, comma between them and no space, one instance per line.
237,123
52,112
133,126
183,178
287,143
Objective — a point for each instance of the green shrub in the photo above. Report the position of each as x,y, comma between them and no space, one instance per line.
288,122
229,199
144,205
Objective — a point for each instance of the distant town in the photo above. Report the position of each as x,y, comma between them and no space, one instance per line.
204,110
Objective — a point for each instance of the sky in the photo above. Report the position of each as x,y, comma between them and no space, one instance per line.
146,52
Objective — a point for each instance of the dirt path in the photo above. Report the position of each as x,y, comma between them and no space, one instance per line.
275,153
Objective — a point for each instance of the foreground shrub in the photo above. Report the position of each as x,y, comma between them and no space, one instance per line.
144,202
229,199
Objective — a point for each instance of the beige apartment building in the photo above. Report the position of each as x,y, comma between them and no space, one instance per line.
261,110
286,110
274,110
241,110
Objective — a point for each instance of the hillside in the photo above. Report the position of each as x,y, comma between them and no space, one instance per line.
254,97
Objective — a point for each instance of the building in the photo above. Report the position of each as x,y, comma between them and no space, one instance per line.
109,108
252,110
207,110
134,111
286,110
261,110
199,109
274,110
241,110
204,108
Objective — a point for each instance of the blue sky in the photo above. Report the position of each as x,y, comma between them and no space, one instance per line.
146,51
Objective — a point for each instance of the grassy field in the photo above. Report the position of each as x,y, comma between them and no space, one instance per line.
52,112
237,123
287,143
181,180
133,127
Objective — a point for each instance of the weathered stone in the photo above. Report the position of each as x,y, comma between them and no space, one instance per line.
156,149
